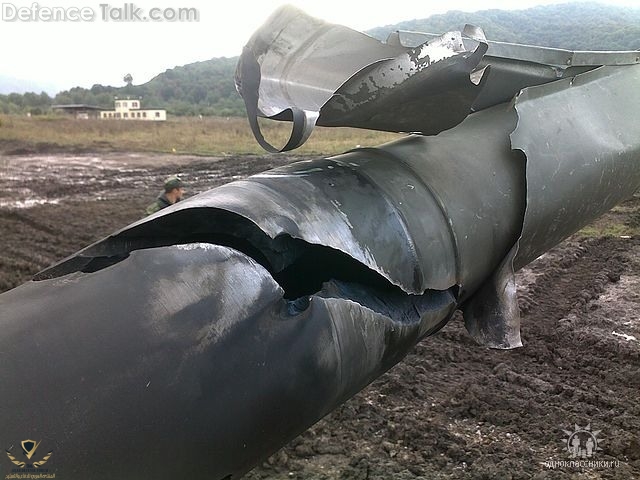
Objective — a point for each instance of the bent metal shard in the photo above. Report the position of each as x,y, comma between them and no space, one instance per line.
196,342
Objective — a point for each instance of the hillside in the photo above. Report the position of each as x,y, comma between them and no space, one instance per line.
207,87
574,26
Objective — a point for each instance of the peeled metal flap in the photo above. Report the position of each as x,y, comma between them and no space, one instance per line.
425,90
327,202
558,57
191,349
417,211
515,66
308,71
294,63
492,316
573,152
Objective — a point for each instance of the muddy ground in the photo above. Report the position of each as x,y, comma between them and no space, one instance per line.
451,409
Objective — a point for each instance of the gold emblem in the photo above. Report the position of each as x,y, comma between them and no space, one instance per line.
29,449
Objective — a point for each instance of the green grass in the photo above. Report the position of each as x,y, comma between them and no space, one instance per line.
622,220
615,230
186,135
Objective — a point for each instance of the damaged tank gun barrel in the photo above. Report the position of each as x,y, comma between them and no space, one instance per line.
196,342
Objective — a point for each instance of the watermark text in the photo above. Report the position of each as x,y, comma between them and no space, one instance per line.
553,464
105,12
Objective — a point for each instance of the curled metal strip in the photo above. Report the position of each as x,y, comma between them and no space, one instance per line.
310,72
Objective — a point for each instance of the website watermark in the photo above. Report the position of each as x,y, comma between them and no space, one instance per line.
582,445
127,12
553,464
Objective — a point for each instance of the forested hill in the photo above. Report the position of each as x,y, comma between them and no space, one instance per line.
574,26
207,87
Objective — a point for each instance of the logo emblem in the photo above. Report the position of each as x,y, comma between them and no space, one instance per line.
582,442
29,448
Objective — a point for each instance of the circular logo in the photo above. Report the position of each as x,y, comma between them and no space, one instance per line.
582,442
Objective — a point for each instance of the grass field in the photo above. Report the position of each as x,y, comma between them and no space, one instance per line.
188,135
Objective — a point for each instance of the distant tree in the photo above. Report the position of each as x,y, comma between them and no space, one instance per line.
167,92
128,79
30,99
45,99
16,99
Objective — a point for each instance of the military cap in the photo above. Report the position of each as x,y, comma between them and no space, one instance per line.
173,182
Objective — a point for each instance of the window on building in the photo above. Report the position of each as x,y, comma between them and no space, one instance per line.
117,104
118,115
138,115
144,114
126,115
134,105
157,114
124,104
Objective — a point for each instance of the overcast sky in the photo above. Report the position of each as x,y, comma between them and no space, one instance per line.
65,54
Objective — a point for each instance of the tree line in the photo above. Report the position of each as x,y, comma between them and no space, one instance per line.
29,102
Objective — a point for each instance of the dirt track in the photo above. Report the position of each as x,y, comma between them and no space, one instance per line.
452,409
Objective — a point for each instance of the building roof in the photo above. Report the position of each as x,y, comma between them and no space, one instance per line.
145,109
77,106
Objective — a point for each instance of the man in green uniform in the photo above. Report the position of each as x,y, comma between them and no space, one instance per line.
173,192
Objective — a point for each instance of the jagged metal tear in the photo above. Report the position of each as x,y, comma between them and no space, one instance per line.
393,94
514,66
192,349
431,230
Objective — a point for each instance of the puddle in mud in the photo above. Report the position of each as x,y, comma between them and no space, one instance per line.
30,180
31,202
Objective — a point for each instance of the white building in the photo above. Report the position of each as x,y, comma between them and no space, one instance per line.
129,109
